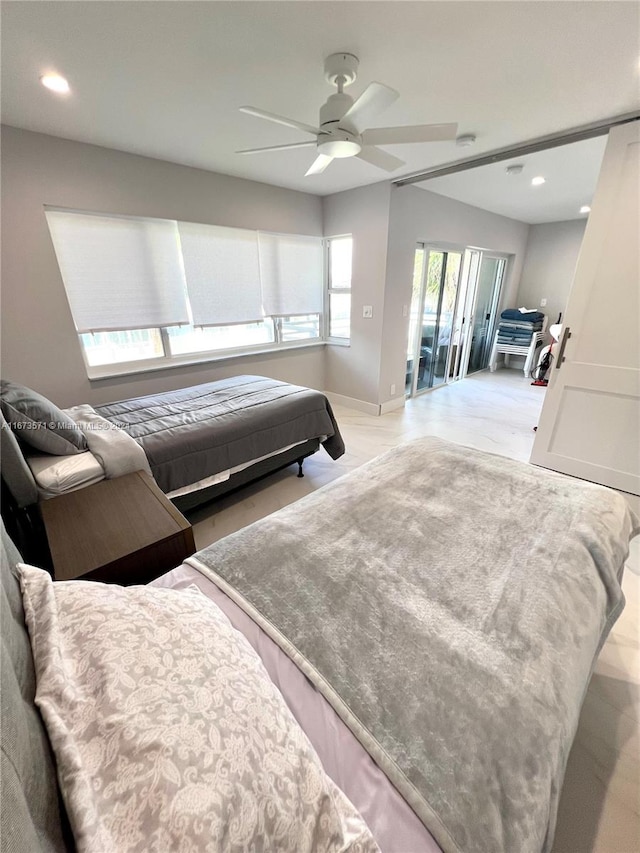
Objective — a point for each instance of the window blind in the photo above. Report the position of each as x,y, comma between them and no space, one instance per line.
291,272
222,274
119,273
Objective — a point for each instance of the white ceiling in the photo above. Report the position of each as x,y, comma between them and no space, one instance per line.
570,173
165,79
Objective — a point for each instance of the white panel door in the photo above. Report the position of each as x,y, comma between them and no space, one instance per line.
590,421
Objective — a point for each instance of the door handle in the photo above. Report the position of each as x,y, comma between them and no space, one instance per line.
565,337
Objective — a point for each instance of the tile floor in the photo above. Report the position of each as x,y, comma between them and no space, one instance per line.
600,807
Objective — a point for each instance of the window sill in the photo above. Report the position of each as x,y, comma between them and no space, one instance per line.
111,371
339,342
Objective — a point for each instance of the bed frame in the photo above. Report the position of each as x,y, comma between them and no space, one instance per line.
254,472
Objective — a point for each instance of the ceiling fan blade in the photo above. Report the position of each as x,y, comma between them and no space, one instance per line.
375,98
319,165
277,147
413,133
381,159
287,122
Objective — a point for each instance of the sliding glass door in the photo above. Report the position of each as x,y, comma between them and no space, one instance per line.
453,313
483,297
431,339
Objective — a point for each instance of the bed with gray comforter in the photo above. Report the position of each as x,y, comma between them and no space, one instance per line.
198,431
450,605
197,442
452,635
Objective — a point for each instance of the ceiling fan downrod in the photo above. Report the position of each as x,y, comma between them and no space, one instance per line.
343,65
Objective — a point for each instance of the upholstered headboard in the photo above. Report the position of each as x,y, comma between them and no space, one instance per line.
32,817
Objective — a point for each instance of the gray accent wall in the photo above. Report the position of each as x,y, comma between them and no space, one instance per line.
549,265
40,347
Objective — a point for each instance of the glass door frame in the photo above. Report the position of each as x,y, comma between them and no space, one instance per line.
468,276
415,351
445,249
471,307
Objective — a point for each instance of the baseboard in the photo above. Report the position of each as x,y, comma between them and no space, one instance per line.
353,403
392,405
362,405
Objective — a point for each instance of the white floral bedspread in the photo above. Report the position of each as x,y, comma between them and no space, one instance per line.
167,731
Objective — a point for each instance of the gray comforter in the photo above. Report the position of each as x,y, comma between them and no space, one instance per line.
450,604
199,431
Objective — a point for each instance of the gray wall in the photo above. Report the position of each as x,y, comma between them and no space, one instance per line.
418,215
354,371
39,345
549,265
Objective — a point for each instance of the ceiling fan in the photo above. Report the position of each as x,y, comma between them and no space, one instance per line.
342,130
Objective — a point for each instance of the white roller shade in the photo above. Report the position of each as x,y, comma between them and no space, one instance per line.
291,270
119,273
222,273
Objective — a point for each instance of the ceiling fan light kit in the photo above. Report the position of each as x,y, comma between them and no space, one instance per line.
342,130
339,144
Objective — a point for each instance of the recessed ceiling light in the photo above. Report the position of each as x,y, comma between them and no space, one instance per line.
585,209
537,181
55,82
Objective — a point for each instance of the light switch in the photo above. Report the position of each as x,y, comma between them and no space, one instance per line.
367,311
543,302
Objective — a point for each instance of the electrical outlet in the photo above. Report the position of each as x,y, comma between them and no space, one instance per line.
392,390
367,311
543,302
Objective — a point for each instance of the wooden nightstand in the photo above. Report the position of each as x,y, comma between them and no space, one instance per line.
122,531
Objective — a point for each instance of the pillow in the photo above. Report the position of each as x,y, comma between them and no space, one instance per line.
167,731
38,422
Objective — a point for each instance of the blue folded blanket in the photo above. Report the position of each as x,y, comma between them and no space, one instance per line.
516,314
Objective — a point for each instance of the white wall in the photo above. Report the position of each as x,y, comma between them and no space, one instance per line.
39,345
354,371
549,265
418,215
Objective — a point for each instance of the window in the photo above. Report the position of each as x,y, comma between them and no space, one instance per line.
298,328
116,347
150,291
340,251
184,340
119,272
222,274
